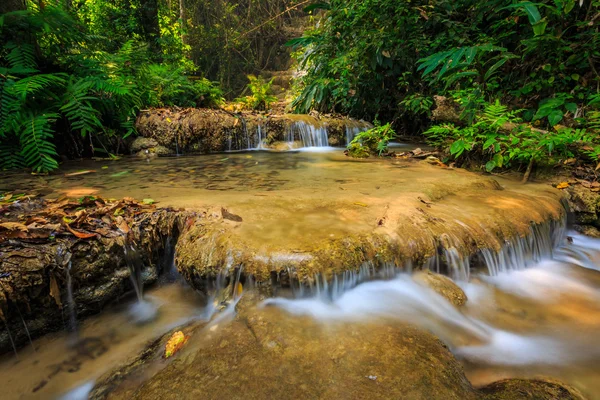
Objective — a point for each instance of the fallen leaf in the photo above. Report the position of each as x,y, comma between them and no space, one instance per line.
55,291
175,343
562,185
230,216
361,204
81,235
37,220
148,201
570,161
13,226
122,225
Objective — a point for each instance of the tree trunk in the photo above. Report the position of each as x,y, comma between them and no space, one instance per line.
150,25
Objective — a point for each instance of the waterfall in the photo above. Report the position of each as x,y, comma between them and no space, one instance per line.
311,135
134,263
520,252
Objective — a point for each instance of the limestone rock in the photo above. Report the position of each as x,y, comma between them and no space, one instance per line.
142,143
442,285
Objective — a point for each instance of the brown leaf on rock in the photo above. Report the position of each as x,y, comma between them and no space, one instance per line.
122,225
55,291
36,220
81,235
14,226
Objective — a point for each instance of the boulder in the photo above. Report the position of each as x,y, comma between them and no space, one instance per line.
442,285
142,143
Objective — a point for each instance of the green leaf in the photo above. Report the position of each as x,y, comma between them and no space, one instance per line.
540,27
489,142
572,107
555,117
489,166
457,147
498,159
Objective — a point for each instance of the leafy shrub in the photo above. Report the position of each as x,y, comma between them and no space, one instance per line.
260,98
372,142
498,138
57,81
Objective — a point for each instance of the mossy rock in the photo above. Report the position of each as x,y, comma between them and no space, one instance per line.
442,285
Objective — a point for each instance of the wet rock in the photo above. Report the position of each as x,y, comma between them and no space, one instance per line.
34,283
587,230
207,130
517,389
266,353
584,204
142,143
442,285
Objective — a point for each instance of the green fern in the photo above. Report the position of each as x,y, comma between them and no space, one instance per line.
77,106
37,149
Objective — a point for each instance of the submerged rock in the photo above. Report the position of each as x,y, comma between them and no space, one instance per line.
267,353
442,285
517,389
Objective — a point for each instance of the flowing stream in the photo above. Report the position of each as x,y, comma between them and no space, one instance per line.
533,306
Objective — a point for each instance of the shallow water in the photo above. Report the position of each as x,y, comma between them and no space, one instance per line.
522,322
61,362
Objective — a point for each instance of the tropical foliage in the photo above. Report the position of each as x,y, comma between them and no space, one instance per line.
58,80
372,57
389,59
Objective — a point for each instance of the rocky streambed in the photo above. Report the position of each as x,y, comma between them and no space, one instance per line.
279,225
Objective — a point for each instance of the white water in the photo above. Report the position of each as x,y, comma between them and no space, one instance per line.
546,285
310,135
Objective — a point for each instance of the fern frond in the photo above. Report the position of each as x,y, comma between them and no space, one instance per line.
77,107
21,56
36,84
36,135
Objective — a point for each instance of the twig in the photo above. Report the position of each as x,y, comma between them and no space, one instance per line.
528,171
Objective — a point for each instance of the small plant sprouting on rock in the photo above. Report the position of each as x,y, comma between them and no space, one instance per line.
372,142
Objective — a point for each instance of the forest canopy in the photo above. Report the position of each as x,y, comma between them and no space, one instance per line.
75,73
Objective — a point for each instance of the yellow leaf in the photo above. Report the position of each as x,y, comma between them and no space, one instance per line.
175,343
361,204
169,120
239,289
562,185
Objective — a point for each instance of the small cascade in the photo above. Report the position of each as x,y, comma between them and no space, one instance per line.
311,135
135,265
260,136
71,306
336,286
519,252
141,311
352,130
26,328
12,342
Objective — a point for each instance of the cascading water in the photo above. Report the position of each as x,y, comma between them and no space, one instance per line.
142,311
311,135
533,267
